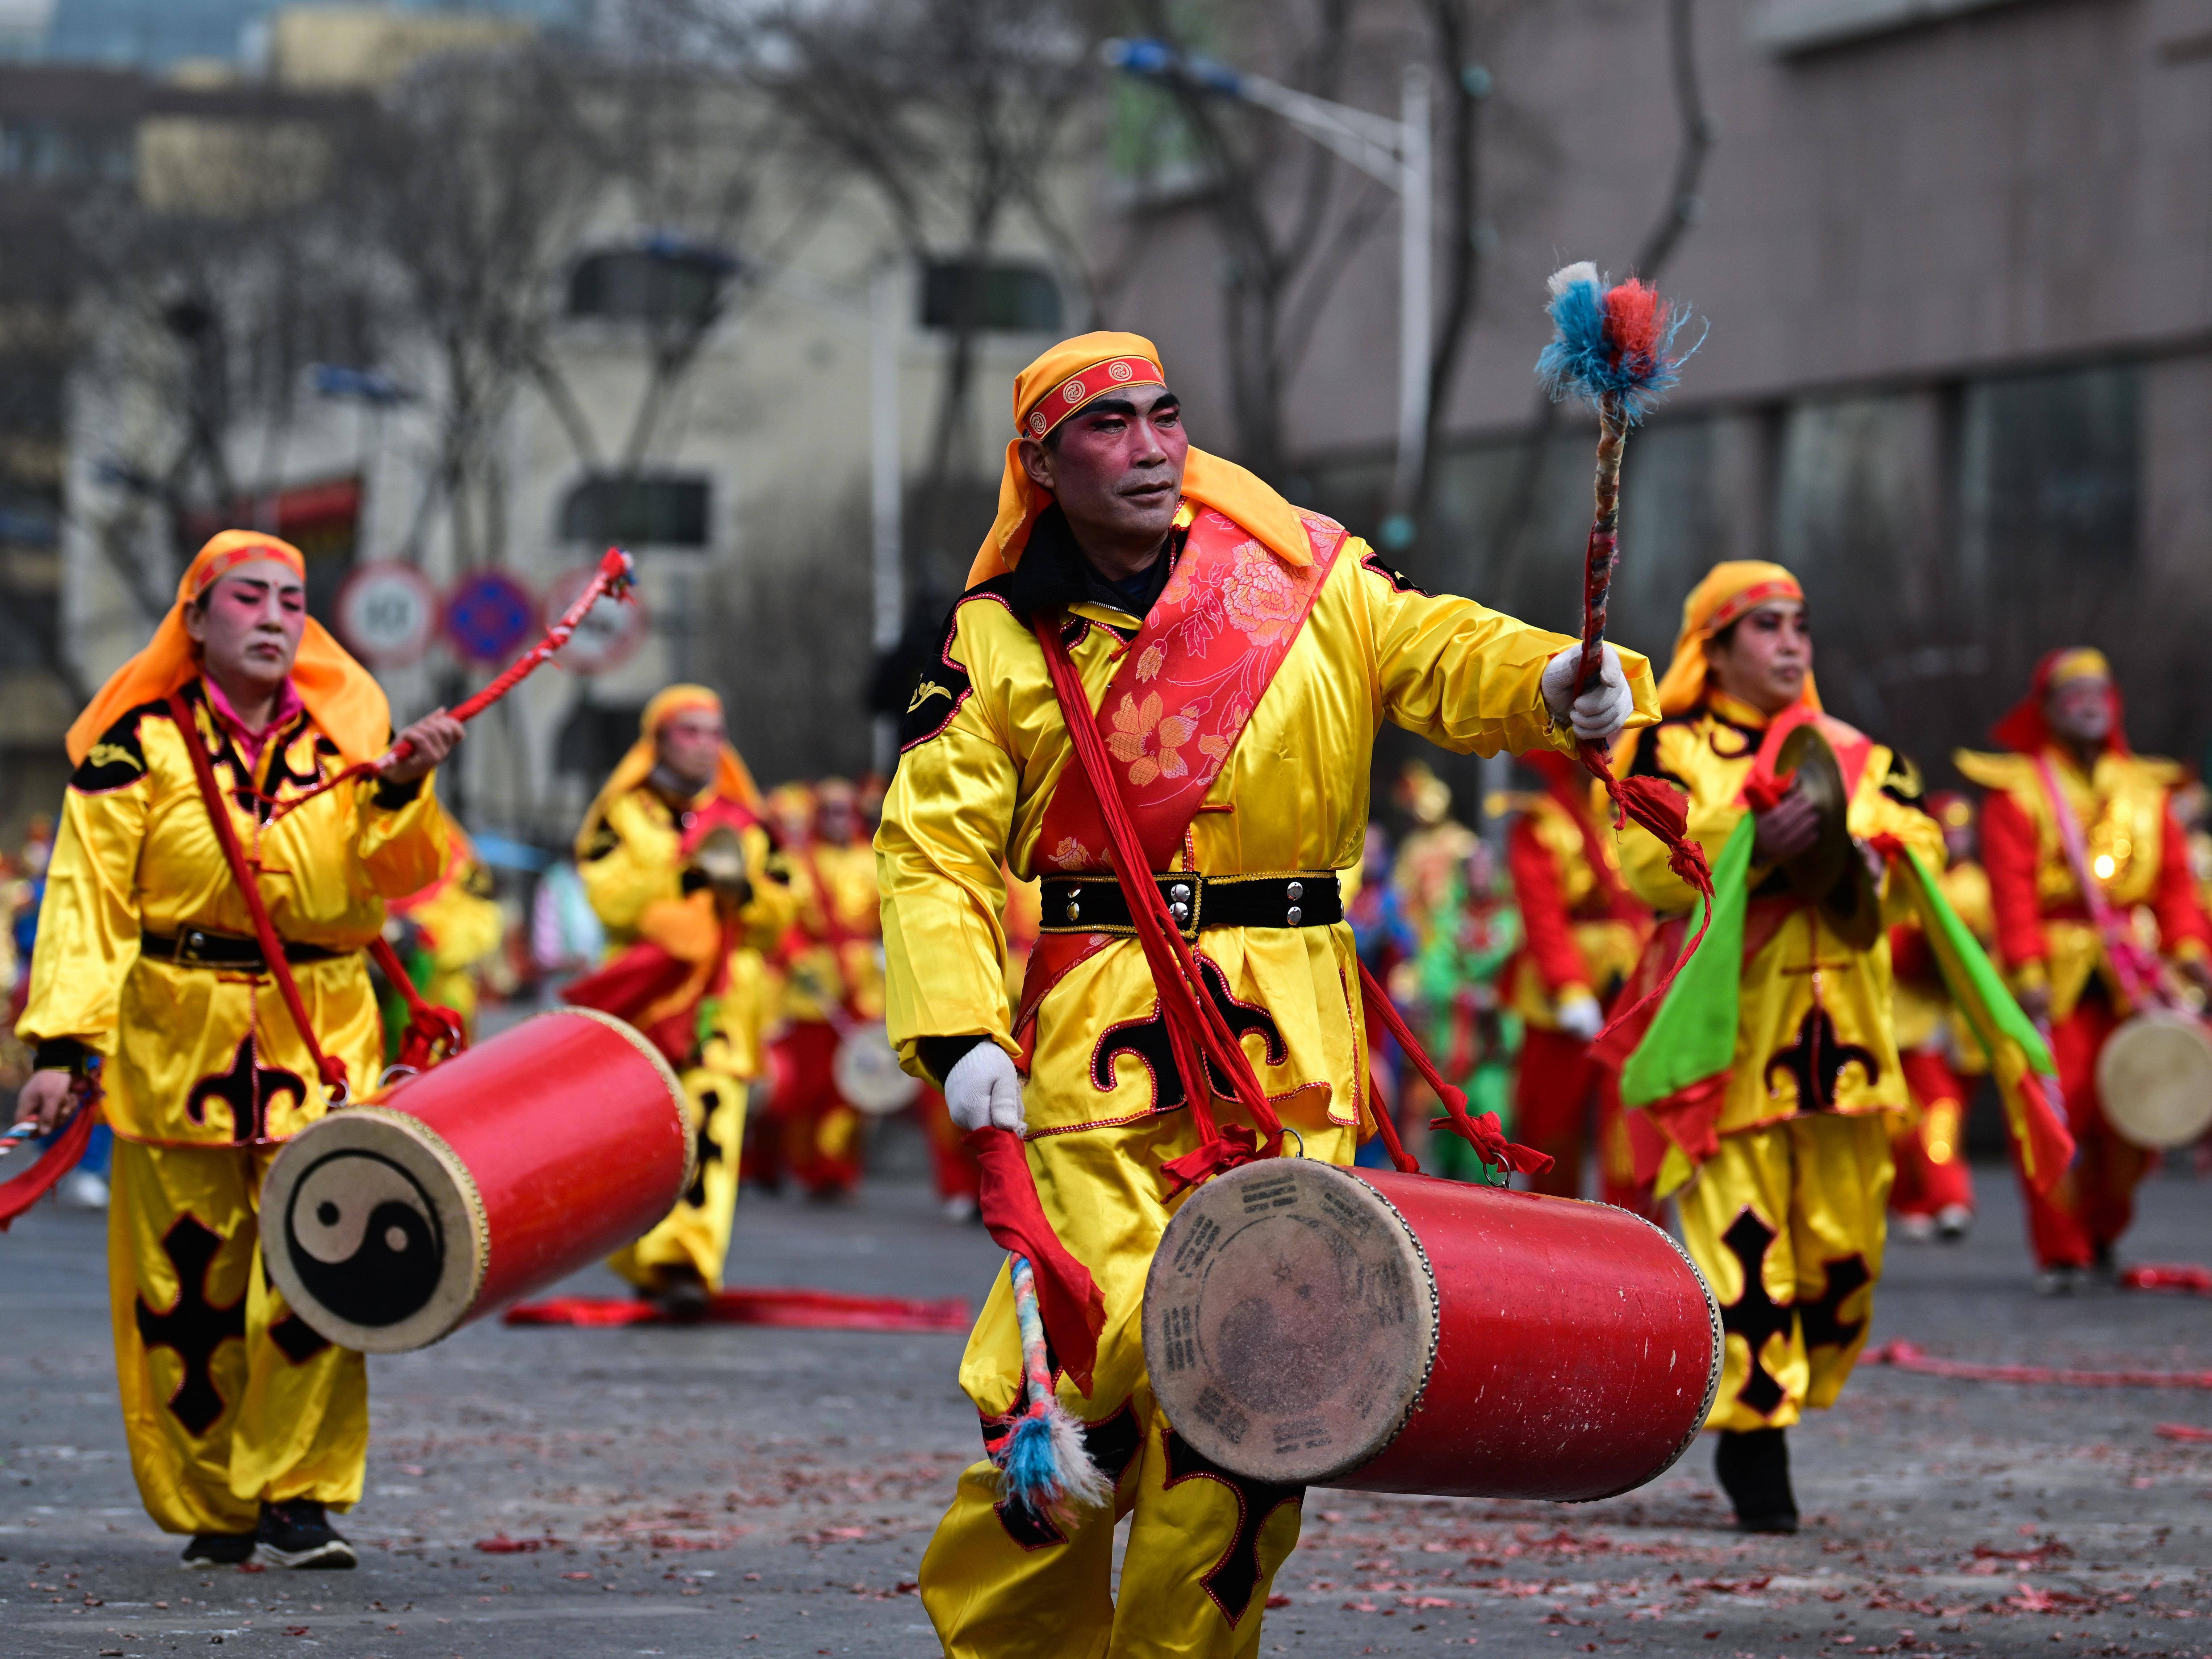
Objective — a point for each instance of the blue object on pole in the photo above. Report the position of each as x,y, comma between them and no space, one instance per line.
363,385
489,615
1158,60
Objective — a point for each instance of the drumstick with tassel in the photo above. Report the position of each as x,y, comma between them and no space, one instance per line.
1613,347
1045,1467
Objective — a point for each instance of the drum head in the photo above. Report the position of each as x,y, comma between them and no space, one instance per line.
372,1231
866,1070
2155,1077
1290,1322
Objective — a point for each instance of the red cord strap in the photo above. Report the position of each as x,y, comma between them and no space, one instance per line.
331,1071
1203,1045
612,580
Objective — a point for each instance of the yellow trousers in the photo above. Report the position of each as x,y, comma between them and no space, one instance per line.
696,1232
1204,1544
1787,1224
229,1400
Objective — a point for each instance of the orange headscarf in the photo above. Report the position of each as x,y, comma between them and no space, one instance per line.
341,695
1731,590
732,782
1060,383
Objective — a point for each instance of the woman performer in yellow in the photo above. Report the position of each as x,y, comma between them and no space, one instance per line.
1784,1144
645,856
148,987
1244,654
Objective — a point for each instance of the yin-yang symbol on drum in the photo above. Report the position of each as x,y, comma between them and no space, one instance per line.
364,1239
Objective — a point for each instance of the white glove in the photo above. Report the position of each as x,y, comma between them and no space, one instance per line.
983,1090
1599,713
1581,1018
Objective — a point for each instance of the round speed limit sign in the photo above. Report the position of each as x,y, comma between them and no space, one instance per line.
387,614
611,630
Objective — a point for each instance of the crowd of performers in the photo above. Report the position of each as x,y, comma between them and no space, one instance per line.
1807,1074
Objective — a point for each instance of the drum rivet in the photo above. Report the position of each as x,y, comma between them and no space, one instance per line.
1296,891
1295,914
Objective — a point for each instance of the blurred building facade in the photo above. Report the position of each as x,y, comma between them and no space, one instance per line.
1957,264
735,465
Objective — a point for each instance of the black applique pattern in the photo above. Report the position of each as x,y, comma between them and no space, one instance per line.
118,759
194,1327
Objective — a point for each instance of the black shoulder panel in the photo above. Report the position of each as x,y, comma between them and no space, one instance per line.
1397,579
118,759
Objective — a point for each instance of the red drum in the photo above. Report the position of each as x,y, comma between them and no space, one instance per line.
389,1224
1307,1325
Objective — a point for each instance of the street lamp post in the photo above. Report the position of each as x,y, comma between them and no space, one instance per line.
1396,152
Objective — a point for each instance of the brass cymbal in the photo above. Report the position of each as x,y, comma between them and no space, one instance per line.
721,859
1831,873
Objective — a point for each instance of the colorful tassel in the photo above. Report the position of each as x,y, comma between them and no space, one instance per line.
1043,1465
1612,346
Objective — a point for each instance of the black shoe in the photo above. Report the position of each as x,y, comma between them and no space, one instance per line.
1753,1469
681,1296
297,1534
218,1549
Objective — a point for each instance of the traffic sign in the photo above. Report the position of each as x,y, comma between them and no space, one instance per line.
387,614
488,616
611,630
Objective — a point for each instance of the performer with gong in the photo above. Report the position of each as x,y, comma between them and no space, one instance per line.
2079,834
1775,1132
1237,656
678,865
150,989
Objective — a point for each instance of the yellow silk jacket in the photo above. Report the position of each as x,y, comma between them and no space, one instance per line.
980,766
2136,855
1811,1007
818,974
634,874
208,1057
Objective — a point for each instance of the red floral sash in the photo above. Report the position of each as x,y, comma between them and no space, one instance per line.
1184,692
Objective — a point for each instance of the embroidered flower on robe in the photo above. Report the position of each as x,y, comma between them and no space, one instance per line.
1260,596
1146,740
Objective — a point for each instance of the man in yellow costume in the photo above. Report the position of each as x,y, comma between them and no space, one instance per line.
2077,826
676,863
831,978
150,989
1784,1144
1240,655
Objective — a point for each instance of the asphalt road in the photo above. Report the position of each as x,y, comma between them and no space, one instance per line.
733,1490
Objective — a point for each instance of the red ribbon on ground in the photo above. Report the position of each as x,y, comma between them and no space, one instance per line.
793,1309
1908,1357
1069,1300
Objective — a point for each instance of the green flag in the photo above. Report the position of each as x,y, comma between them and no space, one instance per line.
1692,1036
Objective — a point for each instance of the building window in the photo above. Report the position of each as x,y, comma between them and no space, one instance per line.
680,285
637,511
1010,298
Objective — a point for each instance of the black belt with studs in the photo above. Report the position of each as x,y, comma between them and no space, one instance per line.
197,948
1094,904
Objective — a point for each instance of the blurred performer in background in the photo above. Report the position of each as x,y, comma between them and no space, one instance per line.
1785,1149
245,1426
1934,1197
448,928
678,865
2072,808
1472,943
1583,931
1113,532
832,981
